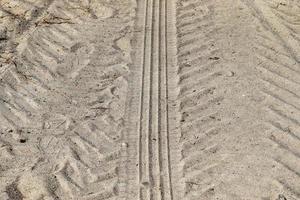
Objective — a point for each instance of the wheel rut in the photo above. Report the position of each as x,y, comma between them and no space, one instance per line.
153,166
238,82
278,55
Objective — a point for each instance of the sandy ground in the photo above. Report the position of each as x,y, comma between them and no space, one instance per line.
149,100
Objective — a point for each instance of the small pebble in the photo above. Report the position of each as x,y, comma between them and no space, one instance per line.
124,145
230,74
3,33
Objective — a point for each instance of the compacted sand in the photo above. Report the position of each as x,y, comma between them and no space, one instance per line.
149,99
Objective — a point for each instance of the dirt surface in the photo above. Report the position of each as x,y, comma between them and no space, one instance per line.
149,100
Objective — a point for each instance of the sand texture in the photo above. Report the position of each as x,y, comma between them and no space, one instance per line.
149,99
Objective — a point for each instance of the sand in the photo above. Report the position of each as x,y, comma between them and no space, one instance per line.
149,100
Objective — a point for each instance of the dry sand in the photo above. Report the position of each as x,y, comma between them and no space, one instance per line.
150,100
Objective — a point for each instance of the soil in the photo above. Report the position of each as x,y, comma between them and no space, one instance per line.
149,100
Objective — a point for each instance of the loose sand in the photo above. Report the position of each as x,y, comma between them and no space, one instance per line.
149,100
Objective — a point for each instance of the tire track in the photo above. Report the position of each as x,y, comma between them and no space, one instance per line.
153,165
233,127
144,137
280,74
72,108
198,103
215,79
